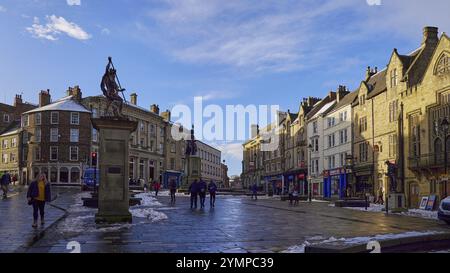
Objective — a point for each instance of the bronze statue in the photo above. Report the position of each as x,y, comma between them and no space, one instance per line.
391,174
191,145
111,88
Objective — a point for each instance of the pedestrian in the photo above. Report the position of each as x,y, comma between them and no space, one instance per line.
193,190
4,182
212,188
202,193
173,190
291,196
39,193
14,179
295,195
380,196
255,191
157,187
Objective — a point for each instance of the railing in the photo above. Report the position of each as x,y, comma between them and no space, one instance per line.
435,160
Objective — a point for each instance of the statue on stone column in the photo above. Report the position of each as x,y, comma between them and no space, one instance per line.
191,145
391,174
111,89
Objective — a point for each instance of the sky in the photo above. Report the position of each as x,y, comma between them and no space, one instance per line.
247,52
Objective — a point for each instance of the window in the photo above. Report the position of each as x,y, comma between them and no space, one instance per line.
331,141
172,163
392,145
394,77
363,151
37,118
152,145
162,132
54,118
54,135
5,158
5,118
141,126
75,118
330,164
37,135
363,124
5,144
331,121
152,129
161,148
37,153
142,142
415,136
94,135
393,111
74,135
443,65
25,120
316,145
362,99
12,157
343,136
172,148
315,127
317,166
53,153
14,142
94,113
25,137
73,153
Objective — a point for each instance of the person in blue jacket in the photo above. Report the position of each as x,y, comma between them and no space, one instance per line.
4,182
254,190
38,193
193,189
212,188
202,193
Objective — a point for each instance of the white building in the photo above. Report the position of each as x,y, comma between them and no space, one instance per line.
315,120
337,144
210,162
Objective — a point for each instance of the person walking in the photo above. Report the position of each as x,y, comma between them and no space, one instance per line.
295,194
4,182
380,196
39,193
173,190
291,194
14,179
254,190
157,187
202,193
193,189
212,188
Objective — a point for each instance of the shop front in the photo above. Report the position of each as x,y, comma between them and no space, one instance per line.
169,176
274,184
363,181
335,183
296,179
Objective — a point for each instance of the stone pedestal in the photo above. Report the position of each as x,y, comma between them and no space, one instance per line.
113,195
397,202
193,170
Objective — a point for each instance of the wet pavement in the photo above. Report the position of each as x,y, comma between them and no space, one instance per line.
237,224
17,217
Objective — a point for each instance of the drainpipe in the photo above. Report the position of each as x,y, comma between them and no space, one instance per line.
373,151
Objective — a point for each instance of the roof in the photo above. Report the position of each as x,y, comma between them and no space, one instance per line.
347,100
293,116
13,128
324,109
377,83
64,104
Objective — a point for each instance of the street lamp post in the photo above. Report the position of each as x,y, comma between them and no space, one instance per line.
311,169
348,165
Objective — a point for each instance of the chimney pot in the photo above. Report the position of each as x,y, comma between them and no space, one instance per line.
44,98
133,98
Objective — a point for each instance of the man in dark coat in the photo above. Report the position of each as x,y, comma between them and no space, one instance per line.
212,188
194,189
4,182
202,193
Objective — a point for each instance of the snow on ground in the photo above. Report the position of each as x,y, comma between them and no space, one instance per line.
148,213
372,208
148,200
422,213
355,240
167,193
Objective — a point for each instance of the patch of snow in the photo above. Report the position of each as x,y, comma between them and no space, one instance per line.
149,213
372,208
422,214
148,200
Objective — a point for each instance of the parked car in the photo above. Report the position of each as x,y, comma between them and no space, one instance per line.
88,179
444,210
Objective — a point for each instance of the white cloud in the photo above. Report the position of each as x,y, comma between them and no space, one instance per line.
217,95
55,27
2,9
230,150
74,2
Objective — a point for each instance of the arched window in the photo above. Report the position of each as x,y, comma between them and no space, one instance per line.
443,65
75,175
63,175
438,154
53,175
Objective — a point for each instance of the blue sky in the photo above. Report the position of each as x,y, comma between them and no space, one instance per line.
231,52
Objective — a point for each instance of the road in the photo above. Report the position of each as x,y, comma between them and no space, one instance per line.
237,225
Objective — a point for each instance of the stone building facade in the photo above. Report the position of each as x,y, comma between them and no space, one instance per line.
211,168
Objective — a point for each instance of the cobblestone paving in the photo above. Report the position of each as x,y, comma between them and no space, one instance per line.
237,224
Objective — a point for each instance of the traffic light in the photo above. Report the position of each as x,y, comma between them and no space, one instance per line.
94,159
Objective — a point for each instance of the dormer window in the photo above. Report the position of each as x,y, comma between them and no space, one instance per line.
443,65
362,100
394,77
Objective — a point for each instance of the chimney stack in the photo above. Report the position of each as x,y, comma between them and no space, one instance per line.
430,36
133,98
166,115
341,93
154,109
18,100
75,92
44,98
